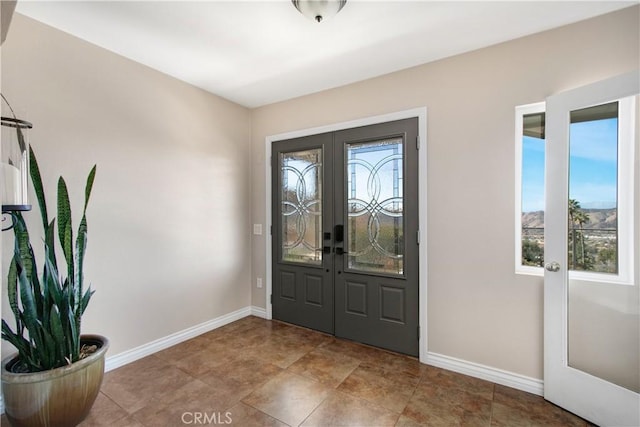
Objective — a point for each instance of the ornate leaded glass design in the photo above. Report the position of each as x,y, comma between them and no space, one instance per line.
301,210
375,232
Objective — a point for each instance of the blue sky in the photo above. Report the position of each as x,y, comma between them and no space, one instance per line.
592,170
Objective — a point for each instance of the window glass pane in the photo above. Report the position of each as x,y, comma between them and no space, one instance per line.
533,190
375,208
593,189
301,209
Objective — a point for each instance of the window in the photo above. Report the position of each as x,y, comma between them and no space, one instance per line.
600,206
530,151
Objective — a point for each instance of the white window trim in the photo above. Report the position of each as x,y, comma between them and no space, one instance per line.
521,111
626,232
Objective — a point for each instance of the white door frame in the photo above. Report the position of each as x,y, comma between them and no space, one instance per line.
421,114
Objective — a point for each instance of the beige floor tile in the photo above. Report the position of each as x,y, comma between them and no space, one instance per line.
195,399
329,368
341,409
242,415
104,412
288,397
183,350
389,390
133,386
452,380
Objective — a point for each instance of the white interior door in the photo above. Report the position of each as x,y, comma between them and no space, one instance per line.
591,298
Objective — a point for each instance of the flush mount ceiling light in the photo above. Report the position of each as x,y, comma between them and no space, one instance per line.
319,10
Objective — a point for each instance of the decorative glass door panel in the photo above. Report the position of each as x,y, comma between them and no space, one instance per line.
375,229
301,211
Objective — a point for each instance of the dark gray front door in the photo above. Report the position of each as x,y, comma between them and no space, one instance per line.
302,204
345,249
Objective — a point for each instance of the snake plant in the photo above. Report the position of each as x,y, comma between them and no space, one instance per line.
48,308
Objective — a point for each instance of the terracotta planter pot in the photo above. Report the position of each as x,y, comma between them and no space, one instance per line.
60,397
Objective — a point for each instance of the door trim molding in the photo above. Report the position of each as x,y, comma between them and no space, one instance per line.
421,114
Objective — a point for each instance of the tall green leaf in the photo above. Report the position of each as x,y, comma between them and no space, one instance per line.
12,293
49,241
81,247
65,230
36,179
89,187
30,316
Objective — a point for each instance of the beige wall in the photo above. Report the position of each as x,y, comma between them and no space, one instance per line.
169,217
478,308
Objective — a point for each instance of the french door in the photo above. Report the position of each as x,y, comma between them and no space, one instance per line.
345,234
591,297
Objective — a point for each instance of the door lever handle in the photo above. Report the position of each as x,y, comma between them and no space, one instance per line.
341,251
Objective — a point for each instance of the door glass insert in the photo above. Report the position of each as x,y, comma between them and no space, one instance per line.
374,191
593,189
602,322
301,206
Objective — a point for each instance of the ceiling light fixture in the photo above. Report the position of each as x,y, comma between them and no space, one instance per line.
319,10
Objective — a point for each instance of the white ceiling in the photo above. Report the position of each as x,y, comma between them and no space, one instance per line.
259,52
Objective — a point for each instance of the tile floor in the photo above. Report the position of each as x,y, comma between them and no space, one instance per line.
255,372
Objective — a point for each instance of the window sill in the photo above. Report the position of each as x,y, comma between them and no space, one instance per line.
605,279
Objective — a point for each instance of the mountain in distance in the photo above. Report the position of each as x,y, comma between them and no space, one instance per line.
598,219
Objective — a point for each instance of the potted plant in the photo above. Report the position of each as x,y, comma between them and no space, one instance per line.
56,375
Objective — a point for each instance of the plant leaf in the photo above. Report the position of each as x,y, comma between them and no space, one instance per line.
89,186
20,135
85,300
30,316
65,231
57,333
36,179
21,344
12,293
49,241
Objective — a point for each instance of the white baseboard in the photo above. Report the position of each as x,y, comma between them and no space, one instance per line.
498,376
258,312
121,359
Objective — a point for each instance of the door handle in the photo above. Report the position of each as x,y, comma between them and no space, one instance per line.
341,251
552,266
